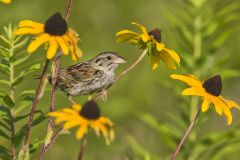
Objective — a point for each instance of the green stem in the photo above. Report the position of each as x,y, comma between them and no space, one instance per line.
12,96
197,38
183,140
82,149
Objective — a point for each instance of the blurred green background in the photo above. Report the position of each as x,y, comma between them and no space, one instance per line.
145,105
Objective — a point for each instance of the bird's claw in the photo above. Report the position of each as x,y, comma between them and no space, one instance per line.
71,100
103,95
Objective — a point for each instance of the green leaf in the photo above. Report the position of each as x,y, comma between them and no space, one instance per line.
2,81
4,135
3,53
4,69
166,134
20,78
21,106
19,118
230,73
27,93
8,101
24,154
4,153
35,145
4,126
2,94
21,133
21,43
4,39
4,111
20,60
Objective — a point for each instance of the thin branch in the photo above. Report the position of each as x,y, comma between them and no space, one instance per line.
34,104
82,149
50,144
54,86
70,4
133,65
186,135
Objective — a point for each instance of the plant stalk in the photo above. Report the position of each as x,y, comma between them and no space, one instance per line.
54,86
185,135
34,104
82,149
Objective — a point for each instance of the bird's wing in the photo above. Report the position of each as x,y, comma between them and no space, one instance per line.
82,72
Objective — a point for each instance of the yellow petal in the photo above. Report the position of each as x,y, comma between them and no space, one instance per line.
6,1
81,131
126,35
52,48
155,59
188,79
111,135
167,60
141,27
106,121
103,129
30,24
77,53
194,91
70,124
173,55
227,114
22,31
68,111
205,105
76,107
145,37
133,41
37,42
160,46
230,103
63,45
218,104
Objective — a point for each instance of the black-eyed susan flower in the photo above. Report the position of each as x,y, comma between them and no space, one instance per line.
85,117
6,1
210,91
152,41
55,33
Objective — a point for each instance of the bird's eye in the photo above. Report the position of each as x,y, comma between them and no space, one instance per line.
109,57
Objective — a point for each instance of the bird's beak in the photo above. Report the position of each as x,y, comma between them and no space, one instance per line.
119,60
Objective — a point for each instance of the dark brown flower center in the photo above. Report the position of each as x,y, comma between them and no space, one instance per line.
90,110
156,33
213,85
56,25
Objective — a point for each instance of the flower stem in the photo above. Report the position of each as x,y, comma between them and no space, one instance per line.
53,94
34,104
82,149
133,65
185,135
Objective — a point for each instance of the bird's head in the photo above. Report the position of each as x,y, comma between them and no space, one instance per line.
107,61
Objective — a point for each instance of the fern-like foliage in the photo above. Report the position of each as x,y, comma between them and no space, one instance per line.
13,71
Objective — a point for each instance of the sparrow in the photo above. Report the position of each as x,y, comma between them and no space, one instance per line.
89,77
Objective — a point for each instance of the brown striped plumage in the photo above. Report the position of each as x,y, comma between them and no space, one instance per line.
90,76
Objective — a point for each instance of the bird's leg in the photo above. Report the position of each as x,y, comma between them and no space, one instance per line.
70,99
103,95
